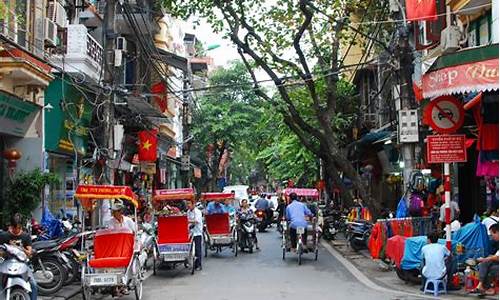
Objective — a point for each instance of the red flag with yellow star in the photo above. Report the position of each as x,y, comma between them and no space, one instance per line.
420,10
148,142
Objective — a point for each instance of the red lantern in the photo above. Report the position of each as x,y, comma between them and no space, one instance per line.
12,154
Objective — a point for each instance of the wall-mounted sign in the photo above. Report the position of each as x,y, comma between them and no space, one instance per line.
16,115
446,148
444,114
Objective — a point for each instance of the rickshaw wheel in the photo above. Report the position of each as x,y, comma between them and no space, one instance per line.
138,281
299,253
235,246
206,249
284,253
154,259
193,263
86,293
316,254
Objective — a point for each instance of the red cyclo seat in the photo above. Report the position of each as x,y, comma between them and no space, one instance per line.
113,248
218,223
173,230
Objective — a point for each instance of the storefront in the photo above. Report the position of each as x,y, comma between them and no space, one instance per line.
66,141
471,78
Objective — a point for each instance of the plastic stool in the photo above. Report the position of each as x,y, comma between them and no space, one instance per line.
435,286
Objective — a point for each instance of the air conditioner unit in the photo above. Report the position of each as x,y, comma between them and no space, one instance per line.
121,44
450,39
50,32
56,13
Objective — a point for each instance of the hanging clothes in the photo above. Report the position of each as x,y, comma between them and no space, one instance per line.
375,241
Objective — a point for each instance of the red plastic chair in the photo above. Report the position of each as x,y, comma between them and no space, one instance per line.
173,230
112,249
218,223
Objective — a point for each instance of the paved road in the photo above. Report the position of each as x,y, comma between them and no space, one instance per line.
262,275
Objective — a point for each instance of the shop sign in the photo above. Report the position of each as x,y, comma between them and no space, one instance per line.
148,168
16,115
466,78
446,148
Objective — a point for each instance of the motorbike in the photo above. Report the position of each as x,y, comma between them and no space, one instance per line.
15,272
357,234
333,223
49,267
246,228
147,242
261,220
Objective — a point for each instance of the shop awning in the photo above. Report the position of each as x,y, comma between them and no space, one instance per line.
466,71
174,194
302,192
172,59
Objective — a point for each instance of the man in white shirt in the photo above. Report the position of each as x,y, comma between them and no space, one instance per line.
490,220
435,258
196,226
119,220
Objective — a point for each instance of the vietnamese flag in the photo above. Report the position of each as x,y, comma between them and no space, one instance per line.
421,10
148,142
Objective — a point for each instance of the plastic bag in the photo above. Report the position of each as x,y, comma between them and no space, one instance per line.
402,210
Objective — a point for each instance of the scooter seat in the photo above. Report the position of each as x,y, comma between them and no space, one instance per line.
44,244
110,262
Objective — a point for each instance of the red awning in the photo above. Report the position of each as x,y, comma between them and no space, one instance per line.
466,78
95,192
302,192
174,194
216,196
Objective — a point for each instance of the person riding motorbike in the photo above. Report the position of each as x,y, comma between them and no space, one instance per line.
262,204
297,215
16,236
244,213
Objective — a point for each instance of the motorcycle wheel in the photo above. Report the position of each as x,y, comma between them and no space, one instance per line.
409,276
73,271
354,245
17,293
52,265
250,245
155,254
284,253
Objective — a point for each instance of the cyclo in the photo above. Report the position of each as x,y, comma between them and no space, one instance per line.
313,231
174,243
220,229
114,261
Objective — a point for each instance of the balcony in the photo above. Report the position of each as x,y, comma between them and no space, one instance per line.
83,53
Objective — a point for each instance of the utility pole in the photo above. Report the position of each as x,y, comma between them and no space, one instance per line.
186,124
107,144
406,96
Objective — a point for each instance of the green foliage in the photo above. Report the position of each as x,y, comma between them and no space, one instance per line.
23,193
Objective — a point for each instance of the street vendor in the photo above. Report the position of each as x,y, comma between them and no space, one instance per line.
436,260
119,220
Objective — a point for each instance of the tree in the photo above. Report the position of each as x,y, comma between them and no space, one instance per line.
224,122
297,42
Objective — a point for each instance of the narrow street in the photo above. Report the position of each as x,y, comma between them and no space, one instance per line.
262,275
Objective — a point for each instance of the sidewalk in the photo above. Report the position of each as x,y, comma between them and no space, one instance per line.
388,278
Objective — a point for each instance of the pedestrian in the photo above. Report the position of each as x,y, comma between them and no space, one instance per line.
454,212
196,226
488,267
436,260
490,220
297,213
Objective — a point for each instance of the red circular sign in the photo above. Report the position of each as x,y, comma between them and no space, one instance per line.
444,114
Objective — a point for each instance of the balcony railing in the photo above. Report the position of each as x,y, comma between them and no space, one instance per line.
94,50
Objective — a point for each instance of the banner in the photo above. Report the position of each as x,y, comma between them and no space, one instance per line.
106,192
148,144
473,77
420,10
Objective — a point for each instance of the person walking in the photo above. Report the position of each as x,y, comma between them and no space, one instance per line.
196,226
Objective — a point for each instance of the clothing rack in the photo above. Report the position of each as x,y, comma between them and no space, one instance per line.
403,219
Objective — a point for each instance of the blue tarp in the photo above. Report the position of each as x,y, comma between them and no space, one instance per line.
412,257
474,237
52,225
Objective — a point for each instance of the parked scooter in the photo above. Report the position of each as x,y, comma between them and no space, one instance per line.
48,264
15,272
358,233
247,232
333,223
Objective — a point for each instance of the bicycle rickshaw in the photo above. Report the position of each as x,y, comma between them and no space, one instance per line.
174,243
114,261
313,232
220,231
